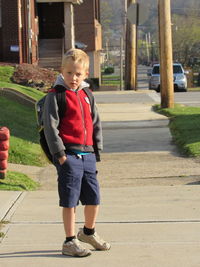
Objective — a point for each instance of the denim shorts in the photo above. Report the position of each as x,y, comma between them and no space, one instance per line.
77,180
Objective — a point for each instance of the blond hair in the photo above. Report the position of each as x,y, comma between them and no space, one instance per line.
77,56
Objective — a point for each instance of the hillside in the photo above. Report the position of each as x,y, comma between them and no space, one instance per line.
185,30
113,19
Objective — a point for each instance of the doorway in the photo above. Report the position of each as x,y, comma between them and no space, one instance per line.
51,19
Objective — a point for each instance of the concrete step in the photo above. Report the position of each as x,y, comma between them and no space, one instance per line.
50,60
50,53
50,43
51,63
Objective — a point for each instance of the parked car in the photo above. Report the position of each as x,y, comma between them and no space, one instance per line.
180,79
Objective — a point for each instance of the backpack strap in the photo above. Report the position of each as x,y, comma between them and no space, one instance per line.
92,103
61,99
91,98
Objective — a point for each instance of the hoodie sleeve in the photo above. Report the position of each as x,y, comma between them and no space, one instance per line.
51,122
97,132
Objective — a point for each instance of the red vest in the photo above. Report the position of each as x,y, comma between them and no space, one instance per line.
76,127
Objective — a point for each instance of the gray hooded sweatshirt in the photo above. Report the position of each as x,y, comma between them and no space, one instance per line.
51,122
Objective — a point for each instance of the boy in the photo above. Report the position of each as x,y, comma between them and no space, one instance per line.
72,140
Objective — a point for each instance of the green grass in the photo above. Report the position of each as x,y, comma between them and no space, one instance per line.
16,181
110,80
6,73
185,128
110,76
2,234
2,224
21,120
24,142
31,92
194,89
111,83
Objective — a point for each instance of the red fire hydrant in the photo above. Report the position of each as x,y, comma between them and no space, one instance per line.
4,146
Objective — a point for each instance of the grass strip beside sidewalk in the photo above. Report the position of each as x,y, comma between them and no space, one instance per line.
16,181
24,141
6,73
185,127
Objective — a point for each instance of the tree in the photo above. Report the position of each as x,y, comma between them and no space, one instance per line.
186,44
185,28
106,19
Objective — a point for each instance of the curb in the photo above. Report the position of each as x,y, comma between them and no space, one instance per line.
7,211
17,96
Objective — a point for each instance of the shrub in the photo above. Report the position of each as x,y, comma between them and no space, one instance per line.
34,76
109,70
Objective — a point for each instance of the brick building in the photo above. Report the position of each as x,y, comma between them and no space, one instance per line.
33,31
18,31
88,31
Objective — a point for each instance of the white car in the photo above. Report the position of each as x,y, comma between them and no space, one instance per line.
180,79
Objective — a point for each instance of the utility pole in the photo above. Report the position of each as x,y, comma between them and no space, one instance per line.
166,62
121,63
131,53
147,48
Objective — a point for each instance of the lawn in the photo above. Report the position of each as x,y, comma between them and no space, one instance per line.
21,120
5,82
16,181
194,89
185,128
24,142
5,73
110,80
33,93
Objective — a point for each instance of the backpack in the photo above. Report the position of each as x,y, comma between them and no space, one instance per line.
62,105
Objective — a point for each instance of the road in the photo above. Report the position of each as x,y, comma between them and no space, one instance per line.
186,98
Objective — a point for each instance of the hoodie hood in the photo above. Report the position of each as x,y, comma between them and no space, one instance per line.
60,81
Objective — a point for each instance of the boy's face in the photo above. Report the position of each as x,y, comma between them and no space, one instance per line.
74,74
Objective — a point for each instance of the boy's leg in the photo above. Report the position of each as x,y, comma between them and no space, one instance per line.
88,234
69,221
72,247
69,185
91,199
91,212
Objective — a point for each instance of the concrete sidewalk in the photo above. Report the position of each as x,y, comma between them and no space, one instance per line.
150,205
147,226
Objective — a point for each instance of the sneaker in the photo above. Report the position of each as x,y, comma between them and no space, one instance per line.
74,248
94,240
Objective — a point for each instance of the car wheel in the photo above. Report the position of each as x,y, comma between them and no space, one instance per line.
158,89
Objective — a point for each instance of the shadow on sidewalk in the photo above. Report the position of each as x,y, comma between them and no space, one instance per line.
35,254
